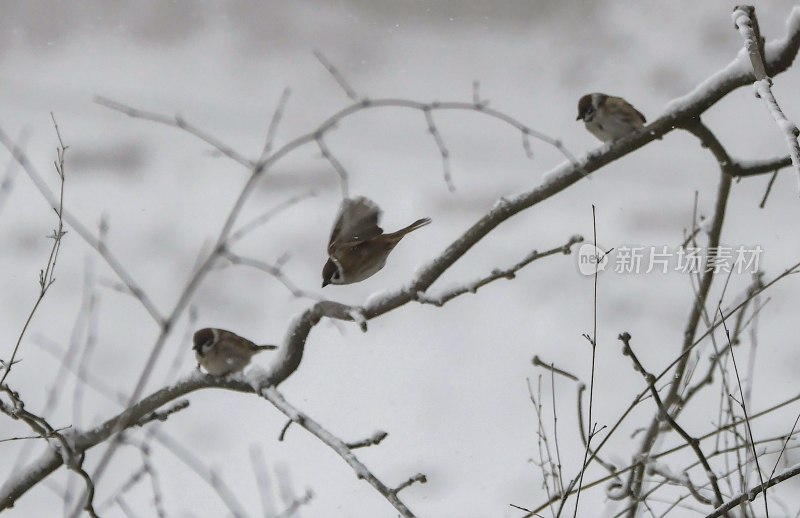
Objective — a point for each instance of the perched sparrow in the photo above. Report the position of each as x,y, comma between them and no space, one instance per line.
607,117
222,352
358,248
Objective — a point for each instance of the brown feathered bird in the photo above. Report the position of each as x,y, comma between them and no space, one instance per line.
358,248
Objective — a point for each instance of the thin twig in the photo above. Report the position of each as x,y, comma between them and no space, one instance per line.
7,183
46,275
64,448
348,90
443,151
769,188
276,398
163,415
593,343
337,166
27,437
274,271
542,441
209,475
80,229
664,413
507,273
751,495
259,465
277,115
296,504
639,397
744,168
418,478
743,405
671,400
177,121
552,368
555,429
267,216
374,440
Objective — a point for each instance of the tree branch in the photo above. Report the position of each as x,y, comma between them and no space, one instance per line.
276,398
744,18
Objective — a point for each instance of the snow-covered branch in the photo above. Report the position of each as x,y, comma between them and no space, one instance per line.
744,18
506,273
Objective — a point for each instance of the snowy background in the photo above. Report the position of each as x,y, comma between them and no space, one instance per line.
449,384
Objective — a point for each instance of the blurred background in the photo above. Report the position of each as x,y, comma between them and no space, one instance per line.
448,384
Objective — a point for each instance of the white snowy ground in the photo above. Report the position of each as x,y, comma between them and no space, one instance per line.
449,385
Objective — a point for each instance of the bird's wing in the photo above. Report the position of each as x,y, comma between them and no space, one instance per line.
621,106
356,222
641,116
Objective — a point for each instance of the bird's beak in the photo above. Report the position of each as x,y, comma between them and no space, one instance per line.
578,117
325,283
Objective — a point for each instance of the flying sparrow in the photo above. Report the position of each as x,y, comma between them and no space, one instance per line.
607,117
222,352
358,248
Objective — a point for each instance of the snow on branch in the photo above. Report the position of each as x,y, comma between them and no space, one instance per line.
744,18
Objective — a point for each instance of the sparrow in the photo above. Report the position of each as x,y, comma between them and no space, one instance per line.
222,352
358,248
607,117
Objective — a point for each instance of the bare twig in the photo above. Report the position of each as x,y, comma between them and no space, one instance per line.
545,456
63,448
783,448
163,415
7,183
263,482
709,141
27,437
374,440
552,368
178,122
639,397
418,478
443,151
282,435
769,188
348,90
274,271
743,405
47,274
744,168
751,495
337,445
80,229
592,425
296,504
268,216
209,475
277,115
507,273
337,166
664,413
560,479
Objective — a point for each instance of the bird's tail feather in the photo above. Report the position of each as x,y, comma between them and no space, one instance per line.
412,227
